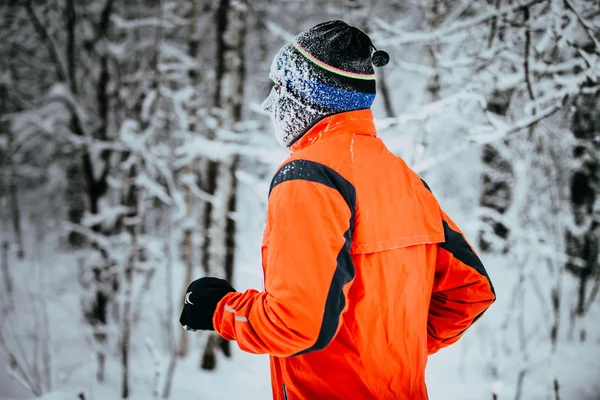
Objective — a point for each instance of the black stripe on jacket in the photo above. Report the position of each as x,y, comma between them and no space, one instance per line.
344,272
456,244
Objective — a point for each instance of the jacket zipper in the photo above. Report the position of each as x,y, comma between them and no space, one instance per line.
285,394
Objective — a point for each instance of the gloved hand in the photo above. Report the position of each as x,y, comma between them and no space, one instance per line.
201,299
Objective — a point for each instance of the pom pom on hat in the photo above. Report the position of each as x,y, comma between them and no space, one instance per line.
330,67
380,58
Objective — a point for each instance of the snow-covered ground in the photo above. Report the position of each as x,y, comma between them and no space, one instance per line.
488,360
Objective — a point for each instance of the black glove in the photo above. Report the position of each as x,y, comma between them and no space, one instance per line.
201,299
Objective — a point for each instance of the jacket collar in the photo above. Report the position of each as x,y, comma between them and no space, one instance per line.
359,122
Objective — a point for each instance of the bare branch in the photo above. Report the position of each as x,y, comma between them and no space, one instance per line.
593,294
104,19
520,381
71,21
584,24
527,57
523,124
456,12
102,243
16,369
494,26
47,40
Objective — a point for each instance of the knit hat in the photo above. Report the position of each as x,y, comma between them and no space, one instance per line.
323,71
330,67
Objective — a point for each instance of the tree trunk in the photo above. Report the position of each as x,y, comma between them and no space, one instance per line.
217,253
220,228
230,226
496,184
12,178
433,18
14,205
6,278
75,188
385,94
188,232
221,253
75,200
171,339
582,242
132,227
103,284
188,261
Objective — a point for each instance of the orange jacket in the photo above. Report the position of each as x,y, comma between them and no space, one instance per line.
365,275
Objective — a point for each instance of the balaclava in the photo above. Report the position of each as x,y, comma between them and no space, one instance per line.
323,71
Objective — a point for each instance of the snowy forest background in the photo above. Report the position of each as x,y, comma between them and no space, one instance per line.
134,157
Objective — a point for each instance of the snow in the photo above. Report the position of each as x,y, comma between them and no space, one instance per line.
153,188
172,52
487,360
456,102
289,116
512,338
108,215
123,23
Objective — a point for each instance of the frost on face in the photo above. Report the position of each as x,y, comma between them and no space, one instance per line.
291,118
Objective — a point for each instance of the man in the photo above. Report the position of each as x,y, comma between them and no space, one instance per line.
364,274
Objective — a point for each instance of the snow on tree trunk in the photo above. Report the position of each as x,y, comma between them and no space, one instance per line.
75,200
6,277
433,13
11,172
496,184
188,231
170,311
217,253
582,234
86,186
220,228
101,285
188,260
132,223
496,195
14,208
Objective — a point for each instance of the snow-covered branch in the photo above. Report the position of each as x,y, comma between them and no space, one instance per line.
431,162
485,138
589,31
153,188
189,181
101,241
200,147
431,109
61,93
500,132
278,31
442,34
122,23
108,216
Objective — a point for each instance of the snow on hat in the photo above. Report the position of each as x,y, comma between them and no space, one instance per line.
330,67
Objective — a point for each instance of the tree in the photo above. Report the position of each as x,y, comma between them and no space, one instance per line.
221,182
582,234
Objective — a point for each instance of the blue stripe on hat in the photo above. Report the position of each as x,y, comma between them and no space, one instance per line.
330,97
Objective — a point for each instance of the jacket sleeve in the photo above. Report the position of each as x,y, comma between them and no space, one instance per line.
308,268
462,290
